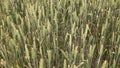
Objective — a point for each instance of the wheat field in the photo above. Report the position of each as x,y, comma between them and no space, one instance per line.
59,33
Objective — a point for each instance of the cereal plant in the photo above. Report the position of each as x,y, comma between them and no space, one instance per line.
59,33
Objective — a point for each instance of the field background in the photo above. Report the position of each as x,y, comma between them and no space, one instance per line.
59,33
